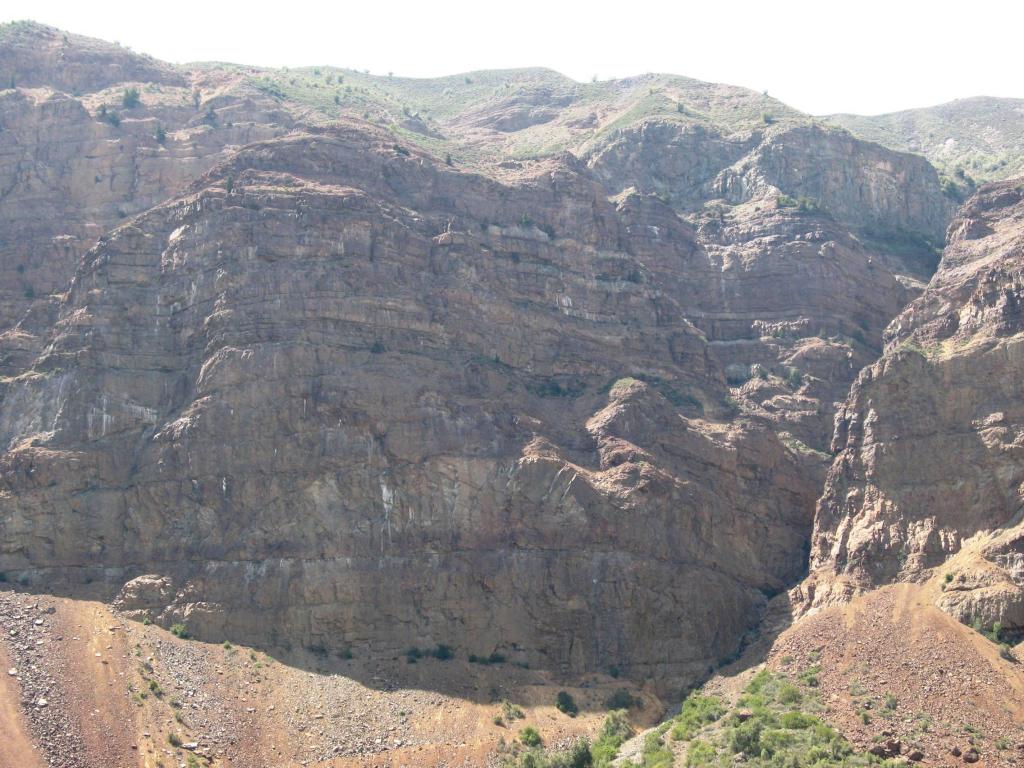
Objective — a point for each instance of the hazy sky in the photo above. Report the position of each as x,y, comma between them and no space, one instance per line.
821,57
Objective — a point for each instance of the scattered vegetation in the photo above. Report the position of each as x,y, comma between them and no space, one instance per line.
179,630
441,652
552,387
666,388
511,712
775,723
697,712
494,658
802,203
996,634
108,116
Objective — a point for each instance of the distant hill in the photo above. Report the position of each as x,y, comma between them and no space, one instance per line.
981,137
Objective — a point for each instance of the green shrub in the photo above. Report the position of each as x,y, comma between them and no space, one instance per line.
746,737
108,116
530,737
789,694
797,721
655,753
494,658
442,652
161,135
130,98
614,731
511,711
576,756
809,676
174,740
697,711
565,703
700,754
621,699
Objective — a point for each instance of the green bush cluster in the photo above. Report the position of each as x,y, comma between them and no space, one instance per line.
441,652
768,728
582,754
697,712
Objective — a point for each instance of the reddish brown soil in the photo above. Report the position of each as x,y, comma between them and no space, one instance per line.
951,687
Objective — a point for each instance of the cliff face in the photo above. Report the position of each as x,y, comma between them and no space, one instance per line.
927,480
74,166
358,402
861,185
294,378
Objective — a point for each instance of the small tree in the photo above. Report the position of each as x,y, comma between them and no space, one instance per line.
109,116
161,135
130,98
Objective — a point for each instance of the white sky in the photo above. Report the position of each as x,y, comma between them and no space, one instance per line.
821,57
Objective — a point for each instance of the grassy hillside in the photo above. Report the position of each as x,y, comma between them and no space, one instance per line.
517,114
981,138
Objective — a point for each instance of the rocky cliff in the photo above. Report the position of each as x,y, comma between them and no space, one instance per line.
527,368
927,479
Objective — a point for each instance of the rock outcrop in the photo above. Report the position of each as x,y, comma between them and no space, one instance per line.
928,475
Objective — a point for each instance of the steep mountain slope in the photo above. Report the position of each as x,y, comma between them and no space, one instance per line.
928,474
337,357
982,137
536,372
